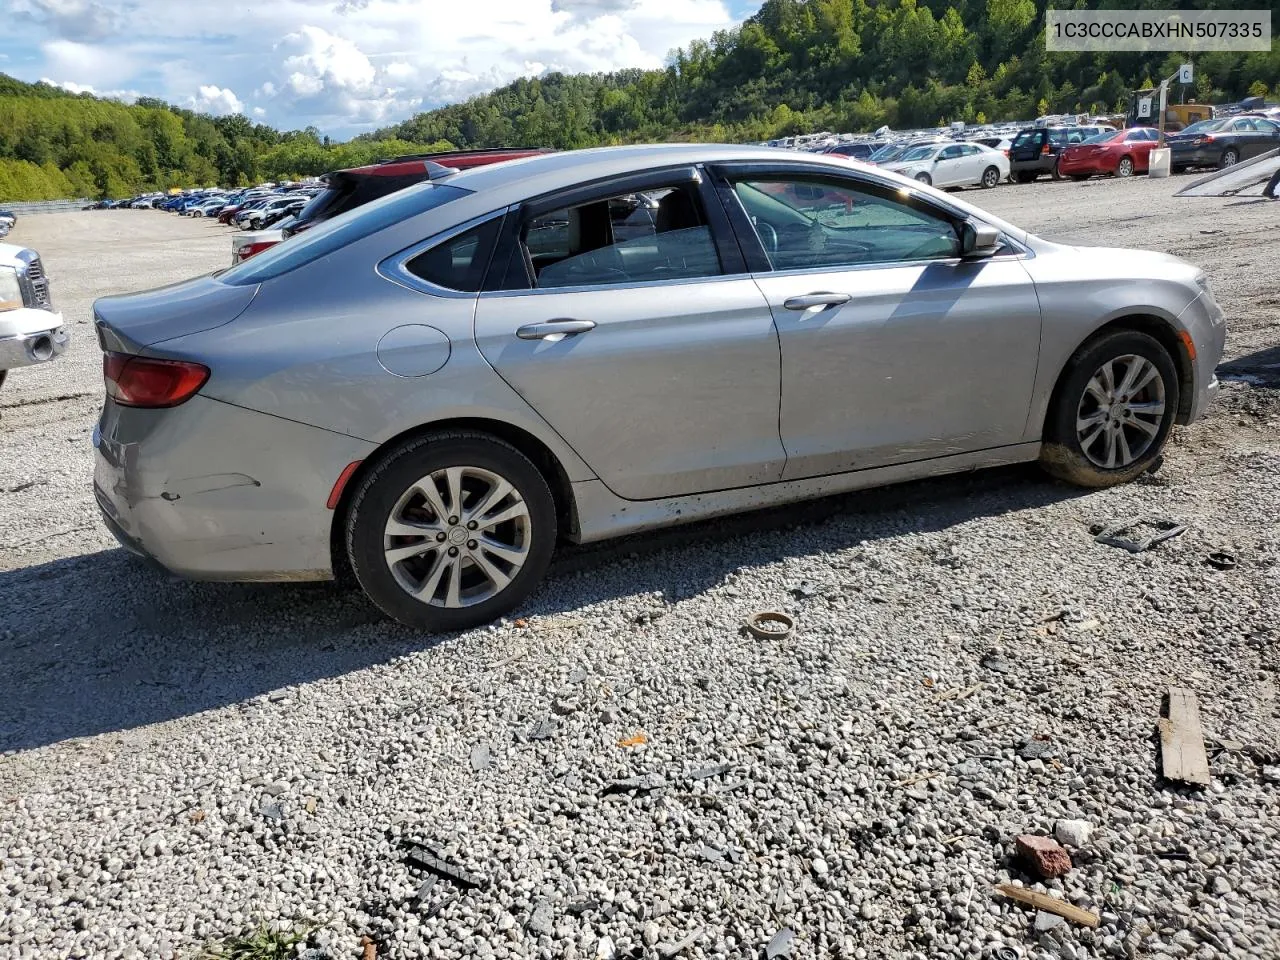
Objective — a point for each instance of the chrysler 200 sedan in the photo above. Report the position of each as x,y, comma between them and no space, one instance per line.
434,388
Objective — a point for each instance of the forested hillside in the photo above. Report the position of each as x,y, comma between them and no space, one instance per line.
55,144
844,65
796,66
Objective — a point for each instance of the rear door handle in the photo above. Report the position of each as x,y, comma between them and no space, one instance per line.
554,328
816,300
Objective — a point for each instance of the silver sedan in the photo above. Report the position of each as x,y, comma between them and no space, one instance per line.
435,388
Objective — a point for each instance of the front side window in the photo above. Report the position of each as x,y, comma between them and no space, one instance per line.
660,234
805,223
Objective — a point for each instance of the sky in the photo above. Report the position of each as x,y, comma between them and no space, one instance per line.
344,66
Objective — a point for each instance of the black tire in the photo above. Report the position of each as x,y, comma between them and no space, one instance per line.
1080,176
990,177
1178,169
1062,454
925,179
1026,176
1230,157
1055,173
383,486
1125,167
3,374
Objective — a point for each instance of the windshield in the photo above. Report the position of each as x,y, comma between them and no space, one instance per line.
890,151
343,229
1206,126
919,153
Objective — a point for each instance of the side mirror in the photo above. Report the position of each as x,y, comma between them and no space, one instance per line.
978,240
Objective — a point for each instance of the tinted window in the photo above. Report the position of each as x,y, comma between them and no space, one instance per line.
1028,137
949,153
808,224
458,263
302,248
1206,126
920,153
658,235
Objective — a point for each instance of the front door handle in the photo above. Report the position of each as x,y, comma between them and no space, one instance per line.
816,300
557,329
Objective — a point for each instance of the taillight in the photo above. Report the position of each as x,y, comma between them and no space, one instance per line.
1045,150
145,382
1206,138
253,249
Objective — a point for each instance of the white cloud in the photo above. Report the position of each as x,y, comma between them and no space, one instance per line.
125,96
259,112
342,65
219,101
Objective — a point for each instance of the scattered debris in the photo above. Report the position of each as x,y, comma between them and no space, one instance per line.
706,773
918,778
521,623
480,759
197,816
420,856
1221,560
1006,952
1182,753
25,486
1111,534
780,944
927,682
644,783
566,706
542,920
579,675
1042,901
605,949
710,854
370,948
424,888
1038,747
311,805
638,739
1073,833
993,661
806,590
544,729
961,693
671,949
272,811
1045,855
769,625
580,907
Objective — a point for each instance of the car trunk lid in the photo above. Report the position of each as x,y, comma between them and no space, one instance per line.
129,323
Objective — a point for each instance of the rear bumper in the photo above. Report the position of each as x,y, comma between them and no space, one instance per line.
1041,164
216,492
1194,157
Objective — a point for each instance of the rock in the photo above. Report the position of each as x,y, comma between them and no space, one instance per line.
1073,833
649,933
277,788
544,729
1271,774
566,706
1037,750
542,920
1221,886
869,911
1044,855
605,950
480,759
780,944
995,663
819,867
1046,921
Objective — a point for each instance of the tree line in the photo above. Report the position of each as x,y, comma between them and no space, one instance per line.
796,66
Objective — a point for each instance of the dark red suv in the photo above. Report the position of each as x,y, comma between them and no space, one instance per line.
347,189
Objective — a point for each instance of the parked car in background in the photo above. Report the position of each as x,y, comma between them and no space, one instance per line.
893,152
7,220
31,331
953,165
1121,153
1035,150
852,329
853,151
1221,143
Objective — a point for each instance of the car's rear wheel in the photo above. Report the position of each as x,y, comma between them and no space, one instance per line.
1230,157
451,531
1112,412
925,179
1125,167
990,177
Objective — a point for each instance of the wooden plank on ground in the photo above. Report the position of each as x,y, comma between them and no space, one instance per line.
1182,753
1042,901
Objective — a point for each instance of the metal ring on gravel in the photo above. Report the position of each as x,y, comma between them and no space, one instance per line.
1223,561
759,625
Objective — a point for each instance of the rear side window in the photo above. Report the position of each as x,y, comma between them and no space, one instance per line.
1027,137
303,248
458,263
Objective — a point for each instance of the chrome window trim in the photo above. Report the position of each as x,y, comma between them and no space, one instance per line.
394,268
630,285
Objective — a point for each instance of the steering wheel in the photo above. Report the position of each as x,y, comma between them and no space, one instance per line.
768,235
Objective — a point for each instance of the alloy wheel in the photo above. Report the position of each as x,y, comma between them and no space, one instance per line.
1229,158
1125,169
990,177
1121,411
457,537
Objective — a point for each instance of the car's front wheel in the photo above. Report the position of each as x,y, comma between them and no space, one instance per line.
451,531
1112,412
924,178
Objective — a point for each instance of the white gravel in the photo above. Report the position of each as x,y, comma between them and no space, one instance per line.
183,761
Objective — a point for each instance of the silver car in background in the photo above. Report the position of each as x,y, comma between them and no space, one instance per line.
438,386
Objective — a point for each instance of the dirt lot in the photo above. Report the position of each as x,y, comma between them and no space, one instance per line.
184,760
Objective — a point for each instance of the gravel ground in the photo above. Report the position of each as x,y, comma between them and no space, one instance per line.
183,761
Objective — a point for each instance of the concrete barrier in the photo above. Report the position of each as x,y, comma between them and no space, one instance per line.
1159,164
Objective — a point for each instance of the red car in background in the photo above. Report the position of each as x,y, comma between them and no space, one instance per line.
1121,153
347,189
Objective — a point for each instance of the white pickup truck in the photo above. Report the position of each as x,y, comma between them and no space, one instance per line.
31,331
